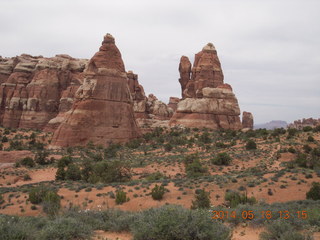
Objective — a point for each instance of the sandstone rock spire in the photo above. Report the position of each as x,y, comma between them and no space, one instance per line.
103,110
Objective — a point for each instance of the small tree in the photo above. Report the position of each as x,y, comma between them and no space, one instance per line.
314,192
251,145
202,200
121,197
73,173
60,174
222,159
51,203
157,192
27,161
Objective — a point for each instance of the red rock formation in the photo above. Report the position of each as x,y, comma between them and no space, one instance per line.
32,88
247,120
207,101
173,103
103,110
305,122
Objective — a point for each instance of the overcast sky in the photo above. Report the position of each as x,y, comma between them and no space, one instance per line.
269,50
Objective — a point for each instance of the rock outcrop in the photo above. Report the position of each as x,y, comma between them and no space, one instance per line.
35,89
173,103
149,111
207,101
103,109
247,120
305,122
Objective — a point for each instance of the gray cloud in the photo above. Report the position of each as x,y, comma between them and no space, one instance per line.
269,50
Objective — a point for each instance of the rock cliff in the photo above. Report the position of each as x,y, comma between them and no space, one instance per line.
103,109
35,89
207,101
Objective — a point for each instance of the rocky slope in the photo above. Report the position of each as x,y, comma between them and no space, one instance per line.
207,101
103,109
305,122
35,89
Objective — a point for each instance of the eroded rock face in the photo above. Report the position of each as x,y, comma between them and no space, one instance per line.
207,100
247,120
173,103
305,122
149,111
103,110
32,88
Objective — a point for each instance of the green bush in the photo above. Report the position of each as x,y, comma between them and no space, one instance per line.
307,128
37,194
121,197
175,222
314,192
222,159
51,203
251,145
292,150
155,176
310,139
64,161
157,192
221,145
202,199
41,157
65,228
195,169
234,199
28,162
281,230
168,147
73,172
60,174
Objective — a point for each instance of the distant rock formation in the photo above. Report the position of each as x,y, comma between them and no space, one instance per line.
272,125
247,120
305,122
103,110
35,89
206,100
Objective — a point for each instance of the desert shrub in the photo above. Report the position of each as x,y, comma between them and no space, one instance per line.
195,169
65,228
60,174
157,192
175,222
64,161
155,176
4,139
168,147
28,162
121,197
41,157
316,129
281,230
73,172
314,192
251,145
307,148
221,145
234,199
222,159
26,177
205,138
1,199
112,150
292,150
307,128
133,144
51,203
106,172
291,132
310,139
301,160
202,199
37,194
